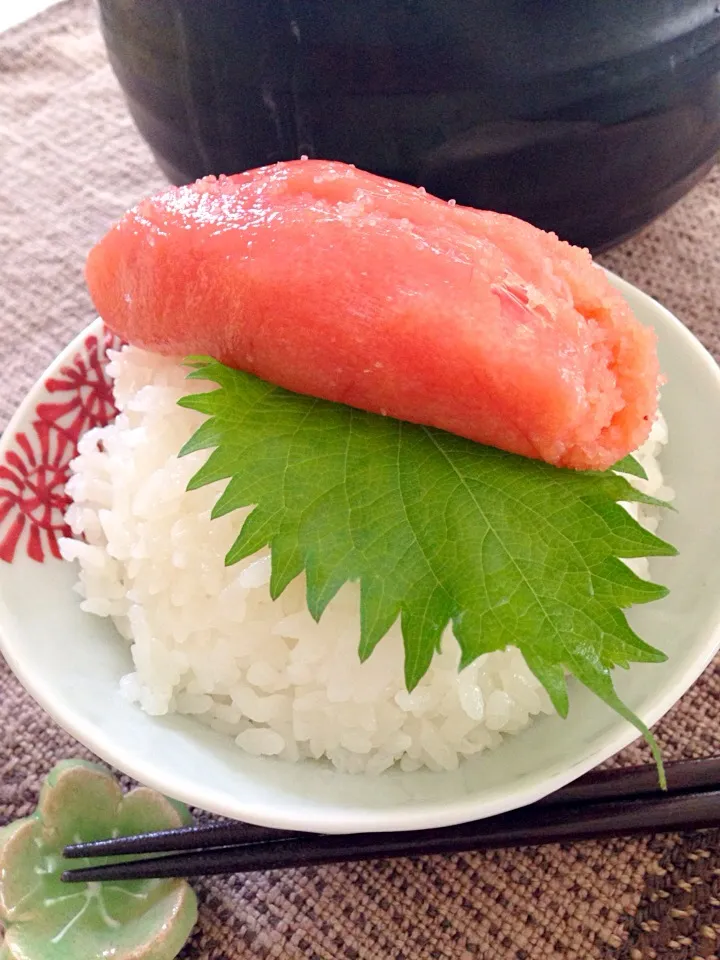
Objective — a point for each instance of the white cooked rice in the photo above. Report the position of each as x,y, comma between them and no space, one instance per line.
207,640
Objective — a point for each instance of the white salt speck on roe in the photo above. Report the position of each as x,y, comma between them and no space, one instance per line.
207,639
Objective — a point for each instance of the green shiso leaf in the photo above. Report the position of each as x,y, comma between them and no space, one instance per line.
630,466
436,528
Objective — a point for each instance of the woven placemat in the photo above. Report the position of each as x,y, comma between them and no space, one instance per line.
71,161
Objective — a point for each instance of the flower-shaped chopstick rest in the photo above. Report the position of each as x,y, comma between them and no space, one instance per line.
46,919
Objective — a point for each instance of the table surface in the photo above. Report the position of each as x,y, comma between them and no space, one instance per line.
77,163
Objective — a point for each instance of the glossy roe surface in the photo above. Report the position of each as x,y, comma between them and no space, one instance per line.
342,285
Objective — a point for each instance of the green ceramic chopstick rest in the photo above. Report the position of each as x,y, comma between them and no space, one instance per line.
46,919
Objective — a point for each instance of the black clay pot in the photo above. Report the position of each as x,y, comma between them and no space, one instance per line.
587,117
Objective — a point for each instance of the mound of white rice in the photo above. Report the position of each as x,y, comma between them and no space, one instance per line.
207,640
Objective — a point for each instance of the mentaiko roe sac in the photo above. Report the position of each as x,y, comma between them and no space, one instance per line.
332,282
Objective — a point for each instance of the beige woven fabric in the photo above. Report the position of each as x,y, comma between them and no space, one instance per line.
70,162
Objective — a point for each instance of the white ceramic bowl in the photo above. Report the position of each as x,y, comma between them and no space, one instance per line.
71,662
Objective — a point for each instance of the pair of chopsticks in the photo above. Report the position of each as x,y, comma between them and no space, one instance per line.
605,803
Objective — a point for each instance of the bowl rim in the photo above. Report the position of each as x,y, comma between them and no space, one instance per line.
428,813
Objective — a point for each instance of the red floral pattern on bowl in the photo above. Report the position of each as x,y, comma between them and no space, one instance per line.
36,465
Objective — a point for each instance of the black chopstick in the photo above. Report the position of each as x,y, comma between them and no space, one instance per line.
618,783
551,823
683,776
221,834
